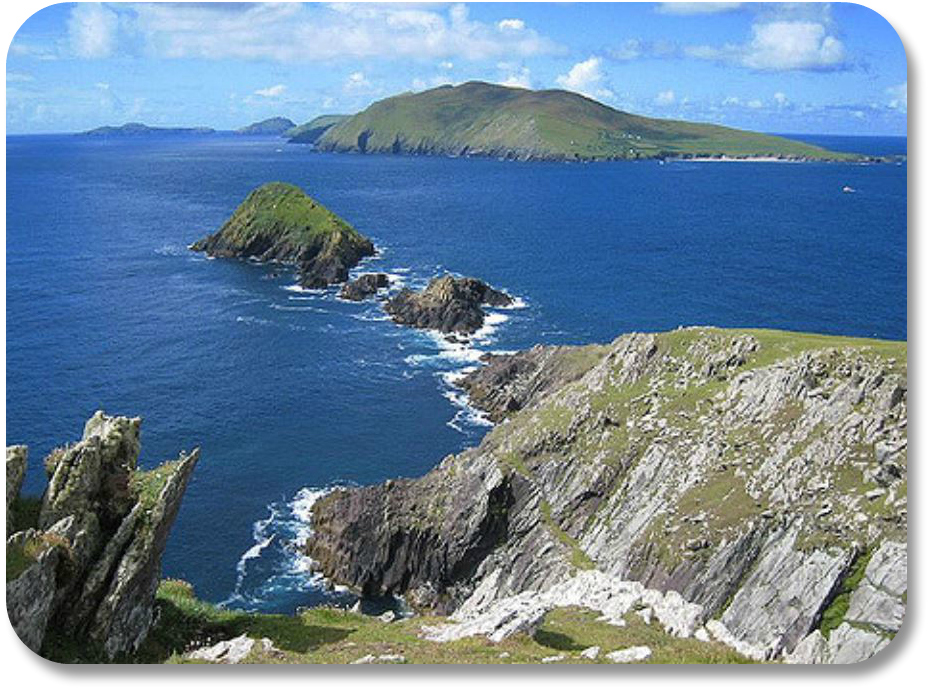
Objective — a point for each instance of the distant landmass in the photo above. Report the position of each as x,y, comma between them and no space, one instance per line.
135,129
310,132
483,119
273,126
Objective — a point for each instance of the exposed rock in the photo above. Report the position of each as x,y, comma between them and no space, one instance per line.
448,304
231,651
553,659
648,446
279,222
93,567
364,286
845,645
387,617
381,659
629,655
15,473
590,653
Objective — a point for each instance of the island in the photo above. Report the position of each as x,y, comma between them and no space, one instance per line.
364,286
137,129
310,132
448,304
481,119
280,222
273,126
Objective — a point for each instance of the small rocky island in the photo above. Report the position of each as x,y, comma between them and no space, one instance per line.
280,222
84,562
448,304
364,286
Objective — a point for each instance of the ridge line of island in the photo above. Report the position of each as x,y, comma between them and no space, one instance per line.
477,119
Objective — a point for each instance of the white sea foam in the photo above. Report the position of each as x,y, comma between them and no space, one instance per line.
296,287
172,250
252,321
288,307
517,303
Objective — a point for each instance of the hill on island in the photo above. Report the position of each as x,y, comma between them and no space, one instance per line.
280,222
137,129
273,126
477,118
310,132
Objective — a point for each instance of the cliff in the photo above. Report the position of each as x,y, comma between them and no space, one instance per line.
279,222
747,487
310,132
83,566
480,119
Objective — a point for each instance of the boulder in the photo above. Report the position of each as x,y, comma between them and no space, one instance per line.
364,286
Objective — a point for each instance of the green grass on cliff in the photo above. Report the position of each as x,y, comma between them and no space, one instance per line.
335,636
496,120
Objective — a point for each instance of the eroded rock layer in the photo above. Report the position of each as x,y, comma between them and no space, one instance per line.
89,566
756,474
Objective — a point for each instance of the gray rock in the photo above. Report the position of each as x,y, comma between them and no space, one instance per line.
232,651
591,653
16,457
629,655
30,597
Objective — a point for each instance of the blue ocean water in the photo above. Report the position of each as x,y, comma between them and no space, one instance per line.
289,392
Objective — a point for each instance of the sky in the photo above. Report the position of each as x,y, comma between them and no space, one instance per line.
812,68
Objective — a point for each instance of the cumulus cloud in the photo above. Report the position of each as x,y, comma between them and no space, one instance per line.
781,99
292,32
782,45
897,97
586,78
688,8
92,30
275,91
665,98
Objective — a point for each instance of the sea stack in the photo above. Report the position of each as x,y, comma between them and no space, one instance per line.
280,222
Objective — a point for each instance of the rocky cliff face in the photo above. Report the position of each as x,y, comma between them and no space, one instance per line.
89,567
279,222
756,478
448,304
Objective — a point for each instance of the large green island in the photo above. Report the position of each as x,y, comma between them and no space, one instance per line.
481,119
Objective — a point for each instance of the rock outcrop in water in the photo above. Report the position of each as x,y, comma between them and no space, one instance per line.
364,286
448,304
279,222
746,486
88,566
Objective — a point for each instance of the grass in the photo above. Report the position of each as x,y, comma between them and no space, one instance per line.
146,485
579,559
336,636
834,614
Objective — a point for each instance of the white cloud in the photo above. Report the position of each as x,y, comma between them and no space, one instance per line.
421,84
446,65
781,45
511,25
18,77
688,8
292,32
732,100
755,103
781,99
92,30
356,82
897,97
585,78
516,75
790,45
665,98
275,91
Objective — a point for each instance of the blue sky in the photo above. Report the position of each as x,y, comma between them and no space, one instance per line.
793,67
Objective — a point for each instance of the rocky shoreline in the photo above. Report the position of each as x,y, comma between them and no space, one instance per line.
756,478
448,304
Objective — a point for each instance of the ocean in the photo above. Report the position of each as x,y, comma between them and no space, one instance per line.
290,392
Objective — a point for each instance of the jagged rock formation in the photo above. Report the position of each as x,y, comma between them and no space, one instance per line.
754,473
364,286
279,222
16,457
90,566
448,304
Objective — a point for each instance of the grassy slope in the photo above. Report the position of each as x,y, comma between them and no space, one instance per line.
498,120
272,125
326,635
286,214
309,132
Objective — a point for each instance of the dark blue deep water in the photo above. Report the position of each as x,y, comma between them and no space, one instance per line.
289,392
